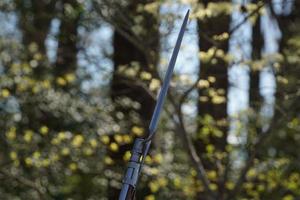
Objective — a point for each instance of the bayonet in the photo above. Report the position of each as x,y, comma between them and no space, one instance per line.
141,146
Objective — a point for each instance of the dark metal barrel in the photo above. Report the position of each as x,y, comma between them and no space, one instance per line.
132,172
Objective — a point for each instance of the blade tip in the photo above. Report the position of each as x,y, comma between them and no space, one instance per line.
188,12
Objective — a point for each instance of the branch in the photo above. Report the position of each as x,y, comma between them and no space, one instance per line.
188,91
250,161
131,83
233,29
128,36
254,12
131,37
193,86
195,158
24,182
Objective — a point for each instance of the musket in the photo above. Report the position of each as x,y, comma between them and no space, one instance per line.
141,145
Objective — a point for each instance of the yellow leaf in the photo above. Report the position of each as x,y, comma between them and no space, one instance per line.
251,173
218,99
150,197
288,197
65,151
229,185
61,81
213,186
55,141
62,135
153,171
54,157
5,93
203,83
127,139
154,84
158,158
114,147
210,148
45,162
46,84
108,160
104,139
77,141
44,130
28,135
145,76
70,77
118,138
212,175
13,155
138,131
211,79
93,143
193,172
73,166
88,151
153,186
126,156
28,161
152,7
148,160
177,182
11,134
162,182
36,155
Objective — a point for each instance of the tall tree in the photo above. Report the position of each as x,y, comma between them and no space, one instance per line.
255,98
66,61
287,80
277,134
135,57
257,46
132,58
212,104
34,22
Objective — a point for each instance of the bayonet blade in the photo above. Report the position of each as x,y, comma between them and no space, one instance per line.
141,146
167,79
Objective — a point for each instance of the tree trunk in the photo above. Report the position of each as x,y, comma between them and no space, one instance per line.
257,45
128,56
66,61
215,73
34,21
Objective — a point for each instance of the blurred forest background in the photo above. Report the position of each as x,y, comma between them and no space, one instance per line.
79,80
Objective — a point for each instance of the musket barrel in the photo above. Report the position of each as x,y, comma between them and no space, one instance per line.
132,172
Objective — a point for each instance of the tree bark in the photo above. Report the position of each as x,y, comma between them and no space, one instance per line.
34,22
66,61
257,45
127,54
215,72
